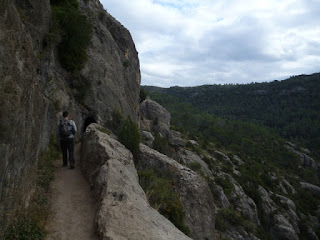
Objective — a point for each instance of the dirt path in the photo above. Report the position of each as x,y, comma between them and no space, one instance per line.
72,205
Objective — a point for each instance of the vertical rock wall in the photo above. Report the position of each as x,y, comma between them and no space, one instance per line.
24,112
34,88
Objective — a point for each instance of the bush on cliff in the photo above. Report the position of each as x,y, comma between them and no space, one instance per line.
159,188
129,136
75,30
162,145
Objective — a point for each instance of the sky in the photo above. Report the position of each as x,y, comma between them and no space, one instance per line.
196,42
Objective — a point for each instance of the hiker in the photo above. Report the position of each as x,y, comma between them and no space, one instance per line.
65,133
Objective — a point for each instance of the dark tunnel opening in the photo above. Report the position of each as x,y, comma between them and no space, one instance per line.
87,122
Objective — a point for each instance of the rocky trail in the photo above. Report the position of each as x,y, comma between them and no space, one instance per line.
72,205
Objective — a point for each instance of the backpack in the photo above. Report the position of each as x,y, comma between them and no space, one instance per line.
66,129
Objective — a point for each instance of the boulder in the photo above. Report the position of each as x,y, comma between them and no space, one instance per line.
237,160
305,160
194,142
195,195
290,212
223,157
147,138
123,212
268,205
242,202
284,226
315,190
187,157
282,229
176,140
221,198
154,116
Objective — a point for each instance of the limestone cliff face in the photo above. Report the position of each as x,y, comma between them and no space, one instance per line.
34,88
25,113
113,66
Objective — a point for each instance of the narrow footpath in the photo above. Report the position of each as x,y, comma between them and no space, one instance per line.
72,209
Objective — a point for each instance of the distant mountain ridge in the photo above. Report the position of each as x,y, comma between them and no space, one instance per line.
291,106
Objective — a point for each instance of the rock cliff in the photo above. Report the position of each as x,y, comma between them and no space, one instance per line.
195,195
35,89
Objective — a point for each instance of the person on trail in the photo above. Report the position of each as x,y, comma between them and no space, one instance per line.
65,133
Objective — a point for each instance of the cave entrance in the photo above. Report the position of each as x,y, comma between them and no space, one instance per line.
87,122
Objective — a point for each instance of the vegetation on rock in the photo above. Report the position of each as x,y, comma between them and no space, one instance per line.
30,223
290,107
75,30
163,197
254,122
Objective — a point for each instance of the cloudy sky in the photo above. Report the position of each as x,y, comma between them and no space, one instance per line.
195,42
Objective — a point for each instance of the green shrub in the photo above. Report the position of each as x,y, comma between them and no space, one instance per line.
25,227
163,197
117,120
129,136
76,31
230,216
162,145
221,224
227,186
80,86
305,201
263,234
143,94
209,162
195,166
126,63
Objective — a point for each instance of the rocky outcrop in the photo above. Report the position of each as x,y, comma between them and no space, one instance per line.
283,225
223,157
315,190
175,139
220,196
124,212
242,202
187,157
112,68
305,160
195,195
147,138
237,160
282,229
154,117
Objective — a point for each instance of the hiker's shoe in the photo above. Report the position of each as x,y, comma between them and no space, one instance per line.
71,167
63,165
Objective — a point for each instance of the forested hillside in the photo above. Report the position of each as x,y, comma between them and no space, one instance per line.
261,138
291,107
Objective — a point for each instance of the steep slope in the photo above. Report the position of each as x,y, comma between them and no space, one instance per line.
264,186
25,114
290,106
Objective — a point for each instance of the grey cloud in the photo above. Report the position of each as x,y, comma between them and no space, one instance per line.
237,52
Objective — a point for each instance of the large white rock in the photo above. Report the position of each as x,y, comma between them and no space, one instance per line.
124,212
195,195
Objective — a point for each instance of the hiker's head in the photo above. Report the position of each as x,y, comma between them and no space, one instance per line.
65,114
